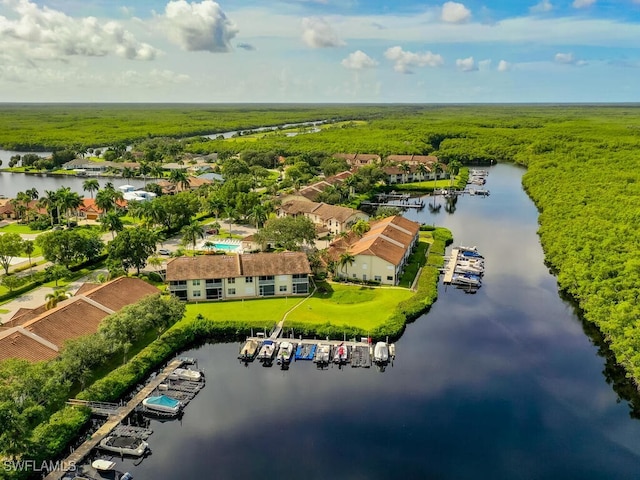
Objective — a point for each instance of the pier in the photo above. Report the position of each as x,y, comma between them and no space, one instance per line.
114,420
450,267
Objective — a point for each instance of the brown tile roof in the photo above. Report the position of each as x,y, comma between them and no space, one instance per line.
322,210
23,315
412,159
232,266
19,343
120,292
389,239
72,318
312,191
358,158
86,287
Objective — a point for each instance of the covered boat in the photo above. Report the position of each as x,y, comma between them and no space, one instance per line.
163,403
381,353
341,355
103,465
285,352
249,350
135,447
323,354
267,351
186,374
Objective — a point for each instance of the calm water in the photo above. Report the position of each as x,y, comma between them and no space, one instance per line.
503,384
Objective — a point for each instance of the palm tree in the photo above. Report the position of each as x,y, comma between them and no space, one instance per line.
454,167
91,185
28,246
127,172
258,215
68,200
49,202
107,198
179,177
360,228
435,168
406,170
229,212
56,297
422,169
32,193
346,260
192,233
156,170
111,222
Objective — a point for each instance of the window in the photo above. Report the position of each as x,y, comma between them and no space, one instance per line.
283,288
390,278
377,278
248,280
195,283
354,276
196,293
231,281
231,291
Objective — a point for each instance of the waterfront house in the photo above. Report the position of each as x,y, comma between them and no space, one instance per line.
332,219
381,254
225,277
356,160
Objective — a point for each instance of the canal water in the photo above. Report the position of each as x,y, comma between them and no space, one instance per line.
503,384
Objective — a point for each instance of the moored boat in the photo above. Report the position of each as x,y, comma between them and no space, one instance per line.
267,351
135,447
305,351
285,352
341,354
323,354
249,350
103,465
186,374
163,403
381,353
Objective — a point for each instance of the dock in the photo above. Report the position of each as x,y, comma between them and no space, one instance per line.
78,455
419,204
450,267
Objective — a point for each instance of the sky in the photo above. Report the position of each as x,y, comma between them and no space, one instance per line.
320,51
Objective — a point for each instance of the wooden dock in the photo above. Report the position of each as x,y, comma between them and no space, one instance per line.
450,267
114,420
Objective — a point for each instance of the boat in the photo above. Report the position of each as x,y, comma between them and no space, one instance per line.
462,248
285,352
341,355
392,350
103,465
323,354
163,403
267,351
468,269
471,255
135,447
186,374
249,350
381,353
466,279
306,351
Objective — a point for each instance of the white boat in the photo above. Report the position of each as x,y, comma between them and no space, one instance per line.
468,269
285,352
462,248
341,355
103,465
163,403
461,279
323,354
381,353
249,350
186,374
392,350
135,447
267,351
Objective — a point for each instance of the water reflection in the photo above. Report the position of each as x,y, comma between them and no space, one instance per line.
500,384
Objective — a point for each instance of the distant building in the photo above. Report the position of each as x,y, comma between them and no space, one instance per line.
333,219
358,159
225,277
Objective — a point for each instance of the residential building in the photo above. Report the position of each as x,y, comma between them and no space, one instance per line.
380,254
356,160
333,219
311,192
39,334
227,277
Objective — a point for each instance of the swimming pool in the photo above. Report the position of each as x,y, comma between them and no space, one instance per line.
226,247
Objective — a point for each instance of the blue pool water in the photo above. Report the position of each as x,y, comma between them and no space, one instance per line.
226,247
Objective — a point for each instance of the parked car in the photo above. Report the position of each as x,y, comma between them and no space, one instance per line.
164,251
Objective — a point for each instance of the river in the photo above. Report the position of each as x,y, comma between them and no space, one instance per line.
503,384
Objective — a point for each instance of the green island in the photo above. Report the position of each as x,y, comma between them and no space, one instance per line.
582,164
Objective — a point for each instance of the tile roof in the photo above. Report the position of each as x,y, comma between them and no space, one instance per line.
412,159
232,266
19,343
120,292
323,210
389,239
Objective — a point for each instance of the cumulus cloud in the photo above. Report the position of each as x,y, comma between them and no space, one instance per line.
317,33
504,66
246,46
466,64
198,27
358,60
582,3
404,60
42,33
453,12
565,58
542,7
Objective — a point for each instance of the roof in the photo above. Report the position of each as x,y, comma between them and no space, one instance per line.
89,205
232,266
388,239
412,159
19,343
312,191
358,158
120,292
323,210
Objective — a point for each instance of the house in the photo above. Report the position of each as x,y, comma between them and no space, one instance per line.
380,254
39,334
333,219
169,188
356,160
88,209
312,191
9,210
226,277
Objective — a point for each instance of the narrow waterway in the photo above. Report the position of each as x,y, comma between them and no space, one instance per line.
503,384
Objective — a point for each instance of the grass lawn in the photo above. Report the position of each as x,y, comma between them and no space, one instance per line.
269,310
416,260
18,228
427,186
350,305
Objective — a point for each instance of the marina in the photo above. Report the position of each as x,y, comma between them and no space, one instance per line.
465,268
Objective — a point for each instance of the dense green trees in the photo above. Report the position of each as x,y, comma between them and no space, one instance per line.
132,247
66,247
11,245
288,233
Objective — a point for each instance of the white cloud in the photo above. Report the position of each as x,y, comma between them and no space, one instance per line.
453,12
317,33
198,26
542,7
358,60
582,3
466,64
42,33
404,60
565,58
504,66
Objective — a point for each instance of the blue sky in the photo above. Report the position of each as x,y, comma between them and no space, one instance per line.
320,51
